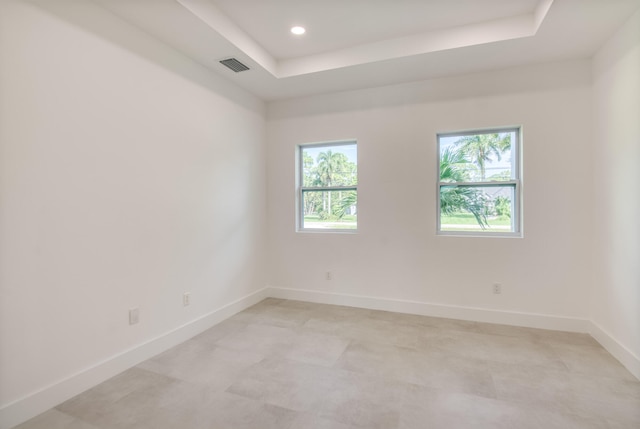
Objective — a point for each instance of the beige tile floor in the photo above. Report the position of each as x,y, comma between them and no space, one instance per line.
288,364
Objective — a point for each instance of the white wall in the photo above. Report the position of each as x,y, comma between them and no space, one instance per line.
615,305
129,175
396,256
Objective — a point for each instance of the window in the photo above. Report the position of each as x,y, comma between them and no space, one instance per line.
479,183
328,186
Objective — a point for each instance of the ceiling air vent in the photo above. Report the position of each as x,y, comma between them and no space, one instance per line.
234,65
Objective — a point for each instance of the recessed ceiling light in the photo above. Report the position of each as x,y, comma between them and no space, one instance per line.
298,30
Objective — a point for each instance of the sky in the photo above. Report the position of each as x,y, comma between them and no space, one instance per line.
350,150
491,168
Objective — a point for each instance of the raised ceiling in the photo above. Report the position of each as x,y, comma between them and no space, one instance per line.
353,44
340,24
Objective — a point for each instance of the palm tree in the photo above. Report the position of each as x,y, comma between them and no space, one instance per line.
479,148
454,199
308,170
330,165
345,203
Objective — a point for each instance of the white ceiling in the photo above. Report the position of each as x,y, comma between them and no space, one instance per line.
352,44
339,24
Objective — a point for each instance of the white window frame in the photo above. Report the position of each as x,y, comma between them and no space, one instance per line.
515,183
302,189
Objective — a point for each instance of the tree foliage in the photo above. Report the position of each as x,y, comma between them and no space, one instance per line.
466,160
455,199
329,169
482,148
345,203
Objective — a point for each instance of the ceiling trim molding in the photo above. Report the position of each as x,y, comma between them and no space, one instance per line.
213,17
498,30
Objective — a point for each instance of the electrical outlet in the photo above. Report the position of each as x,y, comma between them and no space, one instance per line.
186,299
497,288
328,275
134,316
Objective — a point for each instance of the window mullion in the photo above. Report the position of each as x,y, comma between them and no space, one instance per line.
480,184
467,207
327,207
328,189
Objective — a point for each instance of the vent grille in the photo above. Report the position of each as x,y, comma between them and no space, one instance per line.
234,65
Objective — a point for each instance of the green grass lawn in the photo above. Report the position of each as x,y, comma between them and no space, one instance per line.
347,222
459,219
467,222
469,219
316,218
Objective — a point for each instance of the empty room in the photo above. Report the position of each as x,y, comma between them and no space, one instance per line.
396,214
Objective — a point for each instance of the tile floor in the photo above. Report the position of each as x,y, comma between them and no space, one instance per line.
289,364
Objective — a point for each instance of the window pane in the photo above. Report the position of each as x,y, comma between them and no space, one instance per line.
330,210
477,208
327,166
477,157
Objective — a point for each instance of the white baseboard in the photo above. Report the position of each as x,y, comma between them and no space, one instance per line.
25,408
613,346
530,320
513,318
42,400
